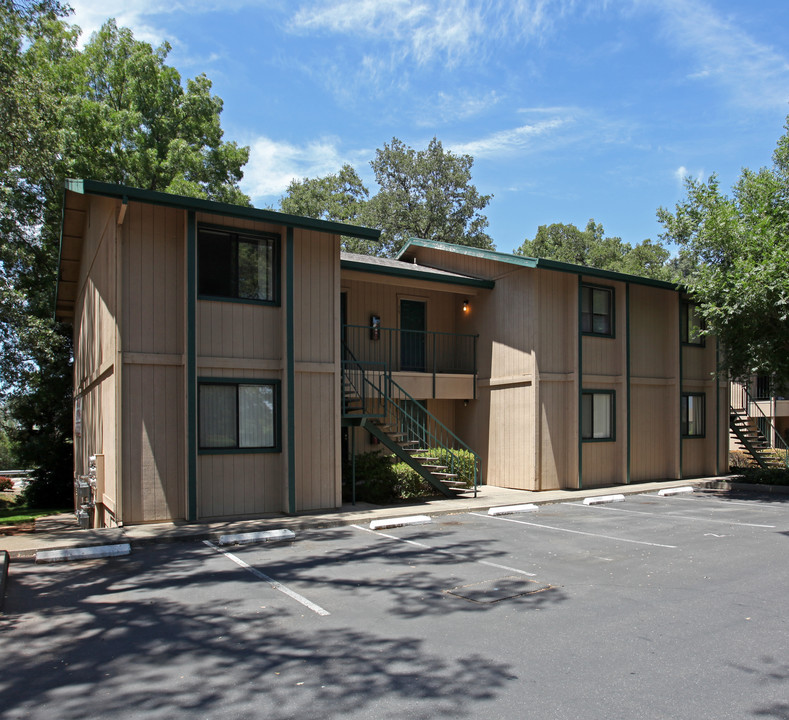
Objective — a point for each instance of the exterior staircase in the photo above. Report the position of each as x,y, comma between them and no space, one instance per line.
752,441
374,401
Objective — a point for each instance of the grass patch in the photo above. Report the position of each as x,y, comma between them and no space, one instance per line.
16,514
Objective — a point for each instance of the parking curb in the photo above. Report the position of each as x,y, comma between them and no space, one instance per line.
298,523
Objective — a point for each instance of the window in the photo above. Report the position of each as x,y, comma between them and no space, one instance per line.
692,415
597,415
241,416
597,310
237,265
691,324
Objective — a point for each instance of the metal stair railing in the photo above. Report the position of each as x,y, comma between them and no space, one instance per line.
418,424
392,406
743,404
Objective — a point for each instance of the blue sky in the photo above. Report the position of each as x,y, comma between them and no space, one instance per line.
572,110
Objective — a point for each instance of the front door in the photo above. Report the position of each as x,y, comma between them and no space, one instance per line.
413,323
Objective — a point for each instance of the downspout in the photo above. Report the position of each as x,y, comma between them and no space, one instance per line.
627,373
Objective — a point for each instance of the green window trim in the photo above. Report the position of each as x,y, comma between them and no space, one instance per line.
598,410
235,425
597,310
693,415
691,325
236,260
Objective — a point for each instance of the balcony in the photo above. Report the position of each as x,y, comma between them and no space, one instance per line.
427,364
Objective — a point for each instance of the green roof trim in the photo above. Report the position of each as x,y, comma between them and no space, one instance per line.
92,187
421,274
524,261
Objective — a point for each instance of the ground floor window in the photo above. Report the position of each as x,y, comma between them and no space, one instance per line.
597,415
238,415
692,415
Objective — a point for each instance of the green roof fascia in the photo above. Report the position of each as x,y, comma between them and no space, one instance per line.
415,274
93,187
524,261
482,253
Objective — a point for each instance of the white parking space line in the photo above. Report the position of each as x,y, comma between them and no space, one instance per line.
274,584
443,552
575,532
674,515
754,505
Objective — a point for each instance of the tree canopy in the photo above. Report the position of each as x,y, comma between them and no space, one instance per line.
736,252
590,247
422,193
115,112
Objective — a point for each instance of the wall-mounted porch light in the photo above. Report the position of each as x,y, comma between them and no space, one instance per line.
466,307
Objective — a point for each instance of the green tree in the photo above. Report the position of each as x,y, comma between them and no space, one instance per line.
338,197
114,112
736,250
129,120
426,194
590,247
423,193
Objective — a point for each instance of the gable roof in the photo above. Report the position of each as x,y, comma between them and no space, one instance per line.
400,268
92,187
74,205
512,259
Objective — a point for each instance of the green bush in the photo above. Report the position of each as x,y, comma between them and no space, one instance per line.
381,481
762,476
375,479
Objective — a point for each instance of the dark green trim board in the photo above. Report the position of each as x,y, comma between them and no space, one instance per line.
580,388
92,187
679,408
627,376
290,364
191,365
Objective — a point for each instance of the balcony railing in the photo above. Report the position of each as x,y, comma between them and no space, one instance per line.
413,350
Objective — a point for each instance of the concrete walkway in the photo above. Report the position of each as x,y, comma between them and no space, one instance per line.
61,531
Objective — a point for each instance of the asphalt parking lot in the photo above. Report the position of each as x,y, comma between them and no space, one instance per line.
650,608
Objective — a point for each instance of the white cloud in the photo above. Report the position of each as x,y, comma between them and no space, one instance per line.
273,164
425,30
514,139
139,15
755,73
681,173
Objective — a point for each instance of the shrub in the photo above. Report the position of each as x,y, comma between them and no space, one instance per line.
375,479
6,483
763,476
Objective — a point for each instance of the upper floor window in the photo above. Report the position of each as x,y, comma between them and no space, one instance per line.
597,310
237,265
691,324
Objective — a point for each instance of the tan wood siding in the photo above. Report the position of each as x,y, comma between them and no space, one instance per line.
240,484
153,441
317,377
654,432
95,373
153,279
238,330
